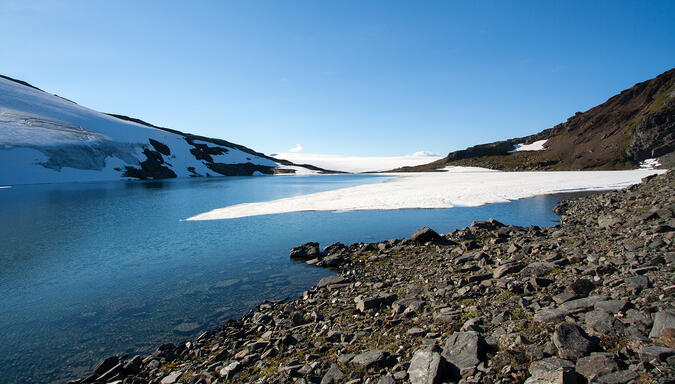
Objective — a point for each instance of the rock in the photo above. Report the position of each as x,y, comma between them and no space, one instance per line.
186,327
364,304
559,376
571,341
611,306
547,315
334,249
374,358
654,352
608,221
330,280
662,320
637,282
427,367
386,379
668,337
333,376
464,350
507,269
604,323
597,364
580,287
134,365
306,251
105,365
620,377
542,367
171,378
581,305
538,268
426,234
229,370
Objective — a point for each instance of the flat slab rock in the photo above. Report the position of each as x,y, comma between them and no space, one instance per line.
465,349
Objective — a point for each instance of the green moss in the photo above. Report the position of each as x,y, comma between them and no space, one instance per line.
470,315
658,103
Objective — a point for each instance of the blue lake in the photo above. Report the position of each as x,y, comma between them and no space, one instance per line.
94,269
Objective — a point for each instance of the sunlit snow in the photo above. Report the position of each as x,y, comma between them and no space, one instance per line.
459,186
536,146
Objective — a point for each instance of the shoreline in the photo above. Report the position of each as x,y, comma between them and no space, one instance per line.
585,299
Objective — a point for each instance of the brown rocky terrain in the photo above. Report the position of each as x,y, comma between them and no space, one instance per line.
588,300
637,124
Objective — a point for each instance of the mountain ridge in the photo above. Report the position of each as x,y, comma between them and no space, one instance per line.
48,138
635,125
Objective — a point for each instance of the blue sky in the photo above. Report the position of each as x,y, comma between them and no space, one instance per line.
341,77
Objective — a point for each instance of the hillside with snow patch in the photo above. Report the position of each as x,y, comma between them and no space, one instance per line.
47,139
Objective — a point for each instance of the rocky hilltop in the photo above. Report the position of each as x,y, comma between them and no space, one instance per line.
633,126
588,300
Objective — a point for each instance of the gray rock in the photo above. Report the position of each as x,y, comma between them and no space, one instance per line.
608,221
171,378
597,364
662,319
330,280
306,251
580,287
134,365
229,370
538,268
465,349
426,234
546,315
637,282
571,341
611,306
655,352
374,358
619,377
507,269
333,376
426,367
364,304
105,365
564,375
540,368
582,305
604,323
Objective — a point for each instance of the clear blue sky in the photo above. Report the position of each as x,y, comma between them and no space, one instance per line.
346,77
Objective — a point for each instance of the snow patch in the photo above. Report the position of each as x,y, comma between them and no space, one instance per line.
650,164
536,146
456,187
355,164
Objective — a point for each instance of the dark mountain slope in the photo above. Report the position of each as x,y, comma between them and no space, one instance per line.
637,124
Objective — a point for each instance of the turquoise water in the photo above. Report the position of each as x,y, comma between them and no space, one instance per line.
94,269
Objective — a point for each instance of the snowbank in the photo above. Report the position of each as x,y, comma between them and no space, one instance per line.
459,186
354,164
536,146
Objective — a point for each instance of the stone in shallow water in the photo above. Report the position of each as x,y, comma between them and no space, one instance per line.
186,327
330,280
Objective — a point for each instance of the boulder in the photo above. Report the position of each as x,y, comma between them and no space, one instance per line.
427,367
307,251
374,358
464,350
333,376
426,234
597,364
662,320
571,341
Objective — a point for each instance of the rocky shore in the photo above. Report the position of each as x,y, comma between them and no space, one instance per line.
589,300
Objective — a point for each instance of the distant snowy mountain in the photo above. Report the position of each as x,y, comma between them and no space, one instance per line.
46,139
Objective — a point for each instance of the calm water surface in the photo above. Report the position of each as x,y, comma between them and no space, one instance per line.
94,269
